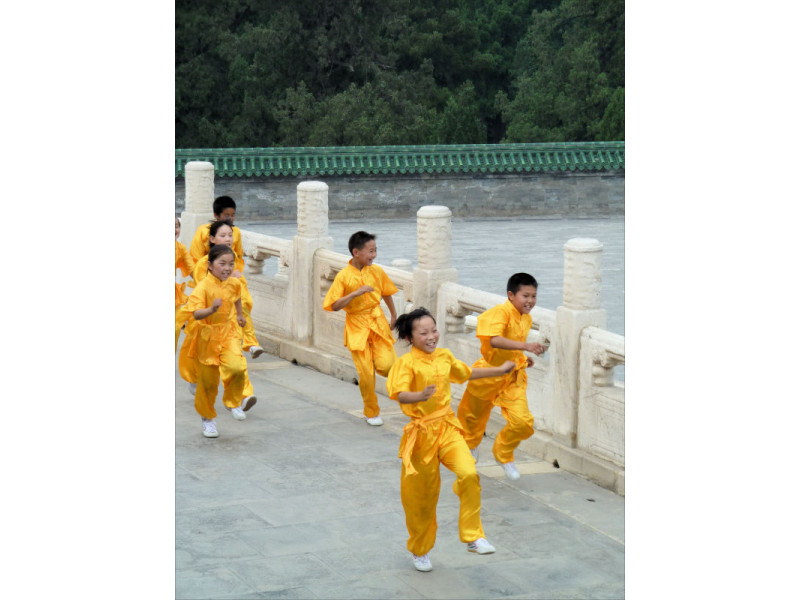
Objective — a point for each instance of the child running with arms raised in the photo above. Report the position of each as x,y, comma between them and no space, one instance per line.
503,332
358,289
420,382
216,305
221,234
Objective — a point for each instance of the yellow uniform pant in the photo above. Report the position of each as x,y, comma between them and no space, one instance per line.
178,326
420,492
507,392
188,366
379,355
232,369
248,333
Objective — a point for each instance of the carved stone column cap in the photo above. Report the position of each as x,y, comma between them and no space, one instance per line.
198,165
583,245
312,186
433,211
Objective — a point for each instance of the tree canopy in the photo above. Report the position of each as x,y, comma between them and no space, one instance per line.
267,73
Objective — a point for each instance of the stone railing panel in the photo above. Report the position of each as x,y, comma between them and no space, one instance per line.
271,310
601,407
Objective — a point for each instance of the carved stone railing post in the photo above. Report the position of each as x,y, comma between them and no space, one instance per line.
312,234
199,198
582,287
433,255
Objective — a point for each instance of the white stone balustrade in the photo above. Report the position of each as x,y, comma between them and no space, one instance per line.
577,406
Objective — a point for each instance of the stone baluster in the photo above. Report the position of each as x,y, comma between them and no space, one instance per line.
402,263
255,262
454,319
198,199
312,234
434,255
581,308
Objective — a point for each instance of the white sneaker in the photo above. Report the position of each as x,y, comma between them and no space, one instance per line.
481,546
210,428
249,403
192,388
256,351
376,421
474,452
422,563
511,470
238,413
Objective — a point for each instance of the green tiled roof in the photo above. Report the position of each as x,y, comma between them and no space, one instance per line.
383,160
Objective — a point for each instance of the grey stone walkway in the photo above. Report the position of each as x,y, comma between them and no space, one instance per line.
302,500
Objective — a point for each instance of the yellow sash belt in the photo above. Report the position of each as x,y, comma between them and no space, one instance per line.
412,429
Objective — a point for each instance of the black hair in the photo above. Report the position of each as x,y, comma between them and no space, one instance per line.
517,280
359,239
217,225
223,202
217,251
405,322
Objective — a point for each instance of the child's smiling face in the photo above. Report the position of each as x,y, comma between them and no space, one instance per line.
524,299
424,335
363,257
222,267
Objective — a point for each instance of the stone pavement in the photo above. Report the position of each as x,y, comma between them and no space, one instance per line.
302,500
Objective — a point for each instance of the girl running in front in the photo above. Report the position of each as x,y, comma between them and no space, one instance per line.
420,381
216,305
221,234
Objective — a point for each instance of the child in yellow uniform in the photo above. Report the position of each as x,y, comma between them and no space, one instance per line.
503,331
224,235
216,305
358,290
185,263
220,233
224,209
420,382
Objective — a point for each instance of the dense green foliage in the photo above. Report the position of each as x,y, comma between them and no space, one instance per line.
264,73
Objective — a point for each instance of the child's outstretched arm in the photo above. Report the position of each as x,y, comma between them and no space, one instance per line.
392,311
202,313
502,343
480,373
345,300
413,397
239,314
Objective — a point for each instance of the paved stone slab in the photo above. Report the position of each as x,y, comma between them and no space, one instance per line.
301,500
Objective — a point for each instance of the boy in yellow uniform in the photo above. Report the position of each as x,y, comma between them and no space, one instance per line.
358,290
503,331
224,210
